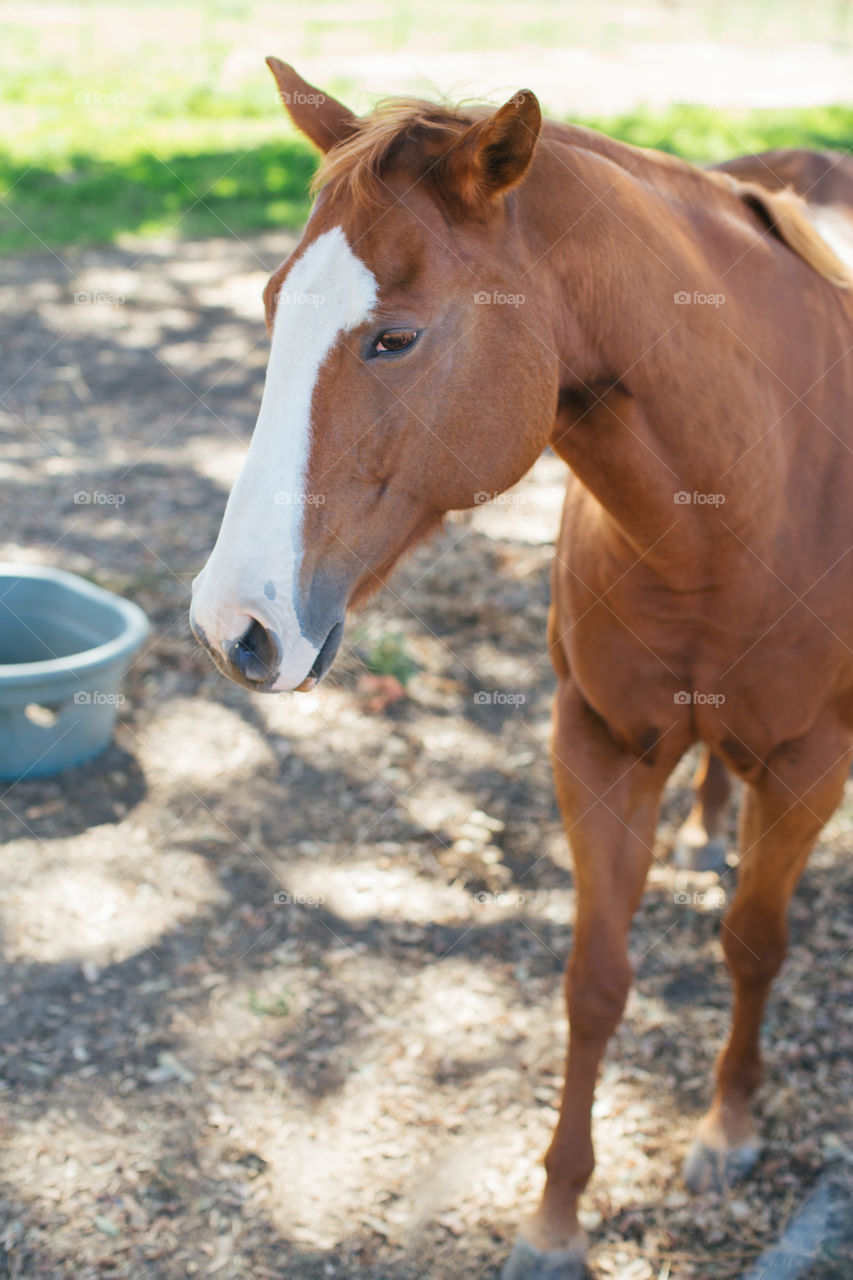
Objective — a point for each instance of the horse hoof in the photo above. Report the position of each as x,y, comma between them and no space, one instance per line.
526,1262
708,855
715,1169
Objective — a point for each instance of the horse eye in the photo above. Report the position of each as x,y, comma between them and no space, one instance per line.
394,340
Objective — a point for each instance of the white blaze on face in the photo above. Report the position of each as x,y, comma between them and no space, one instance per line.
252,572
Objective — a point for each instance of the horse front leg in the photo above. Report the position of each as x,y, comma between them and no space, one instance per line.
609,798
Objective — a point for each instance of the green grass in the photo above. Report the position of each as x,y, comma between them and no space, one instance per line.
706,135
86,199
387,655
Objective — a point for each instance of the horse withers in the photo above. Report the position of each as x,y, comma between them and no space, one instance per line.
685,344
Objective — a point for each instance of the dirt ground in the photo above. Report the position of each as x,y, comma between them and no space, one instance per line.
202,1080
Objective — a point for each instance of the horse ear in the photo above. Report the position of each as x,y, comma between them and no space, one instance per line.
494,154
322,119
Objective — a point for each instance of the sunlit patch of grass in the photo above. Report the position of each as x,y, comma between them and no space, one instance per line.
707,135
277,1007
90,199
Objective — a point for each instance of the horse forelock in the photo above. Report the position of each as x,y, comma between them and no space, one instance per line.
405,131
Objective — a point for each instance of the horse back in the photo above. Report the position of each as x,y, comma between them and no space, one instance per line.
819,177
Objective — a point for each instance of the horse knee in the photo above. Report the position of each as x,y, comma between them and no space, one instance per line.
596,992
570,1166
754,947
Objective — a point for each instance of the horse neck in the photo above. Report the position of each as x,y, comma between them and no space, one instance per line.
653,405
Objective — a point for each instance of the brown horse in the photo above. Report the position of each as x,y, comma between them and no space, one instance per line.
474,286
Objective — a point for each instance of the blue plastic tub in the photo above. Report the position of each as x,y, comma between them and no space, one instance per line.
65,645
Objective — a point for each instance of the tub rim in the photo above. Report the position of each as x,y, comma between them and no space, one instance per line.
85,662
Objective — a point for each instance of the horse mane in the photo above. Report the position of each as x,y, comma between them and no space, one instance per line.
355,166
786,215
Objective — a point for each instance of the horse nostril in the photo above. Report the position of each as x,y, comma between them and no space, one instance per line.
256,656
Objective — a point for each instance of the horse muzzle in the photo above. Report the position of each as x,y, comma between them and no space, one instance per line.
249,647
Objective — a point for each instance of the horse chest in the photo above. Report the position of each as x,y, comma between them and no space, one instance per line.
654,667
